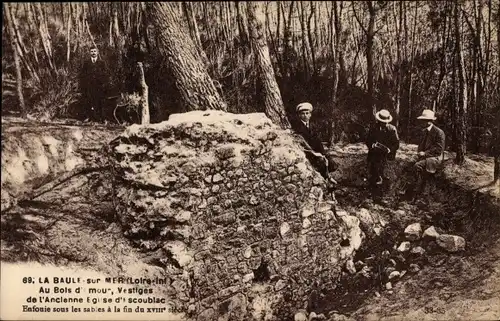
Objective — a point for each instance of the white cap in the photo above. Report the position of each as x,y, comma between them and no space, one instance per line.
304,106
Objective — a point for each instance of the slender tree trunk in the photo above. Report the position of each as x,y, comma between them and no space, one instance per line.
110,32
496,143
68,35
412,62
196,88
340,53
275,109
442,69
116,29
369,55
287,42
21,48
85,22
17,63
304,40
242,27
336,24
311,38
44,34
479,88
399,77
461,106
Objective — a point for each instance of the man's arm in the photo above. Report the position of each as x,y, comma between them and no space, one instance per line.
394,142
302,142
370,140
306,147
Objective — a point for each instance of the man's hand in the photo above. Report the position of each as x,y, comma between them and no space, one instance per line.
323,157
421,153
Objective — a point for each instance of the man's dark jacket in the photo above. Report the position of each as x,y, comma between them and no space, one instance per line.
433,142
310,137
386,135
315,143
94,78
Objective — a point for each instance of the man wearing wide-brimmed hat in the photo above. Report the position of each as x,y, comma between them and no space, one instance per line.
430,149
382,142
313,147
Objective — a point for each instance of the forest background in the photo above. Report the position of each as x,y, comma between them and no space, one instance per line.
347,58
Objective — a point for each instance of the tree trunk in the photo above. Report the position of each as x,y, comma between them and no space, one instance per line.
370,35
269,34
275,109
116,30
21,48
461,105
442,69
242,27
340,50
17,63
412,62
68,34
193,30
304,40
287,43
496,143
479,64
335,24
193,25
44,34
310,37
196,88
145,119
399,76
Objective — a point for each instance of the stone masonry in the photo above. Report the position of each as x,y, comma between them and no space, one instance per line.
232,209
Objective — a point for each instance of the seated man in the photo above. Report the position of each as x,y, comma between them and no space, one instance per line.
430,149
383,143
315,152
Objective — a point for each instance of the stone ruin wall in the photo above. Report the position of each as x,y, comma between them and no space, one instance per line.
232,209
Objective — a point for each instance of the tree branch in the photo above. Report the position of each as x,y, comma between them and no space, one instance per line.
357,19
53,184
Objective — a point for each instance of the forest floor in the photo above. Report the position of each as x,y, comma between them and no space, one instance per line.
448,286
74,225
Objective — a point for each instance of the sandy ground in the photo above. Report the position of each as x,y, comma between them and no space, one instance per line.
461,286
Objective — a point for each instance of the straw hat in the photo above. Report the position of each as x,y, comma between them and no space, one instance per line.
384,116
304,106
427,114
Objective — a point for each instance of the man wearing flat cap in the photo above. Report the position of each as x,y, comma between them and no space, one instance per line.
315,152
430,149
383,143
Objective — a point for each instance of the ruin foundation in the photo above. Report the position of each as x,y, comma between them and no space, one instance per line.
231,208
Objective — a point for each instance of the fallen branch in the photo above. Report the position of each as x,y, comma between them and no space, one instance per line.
30,195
